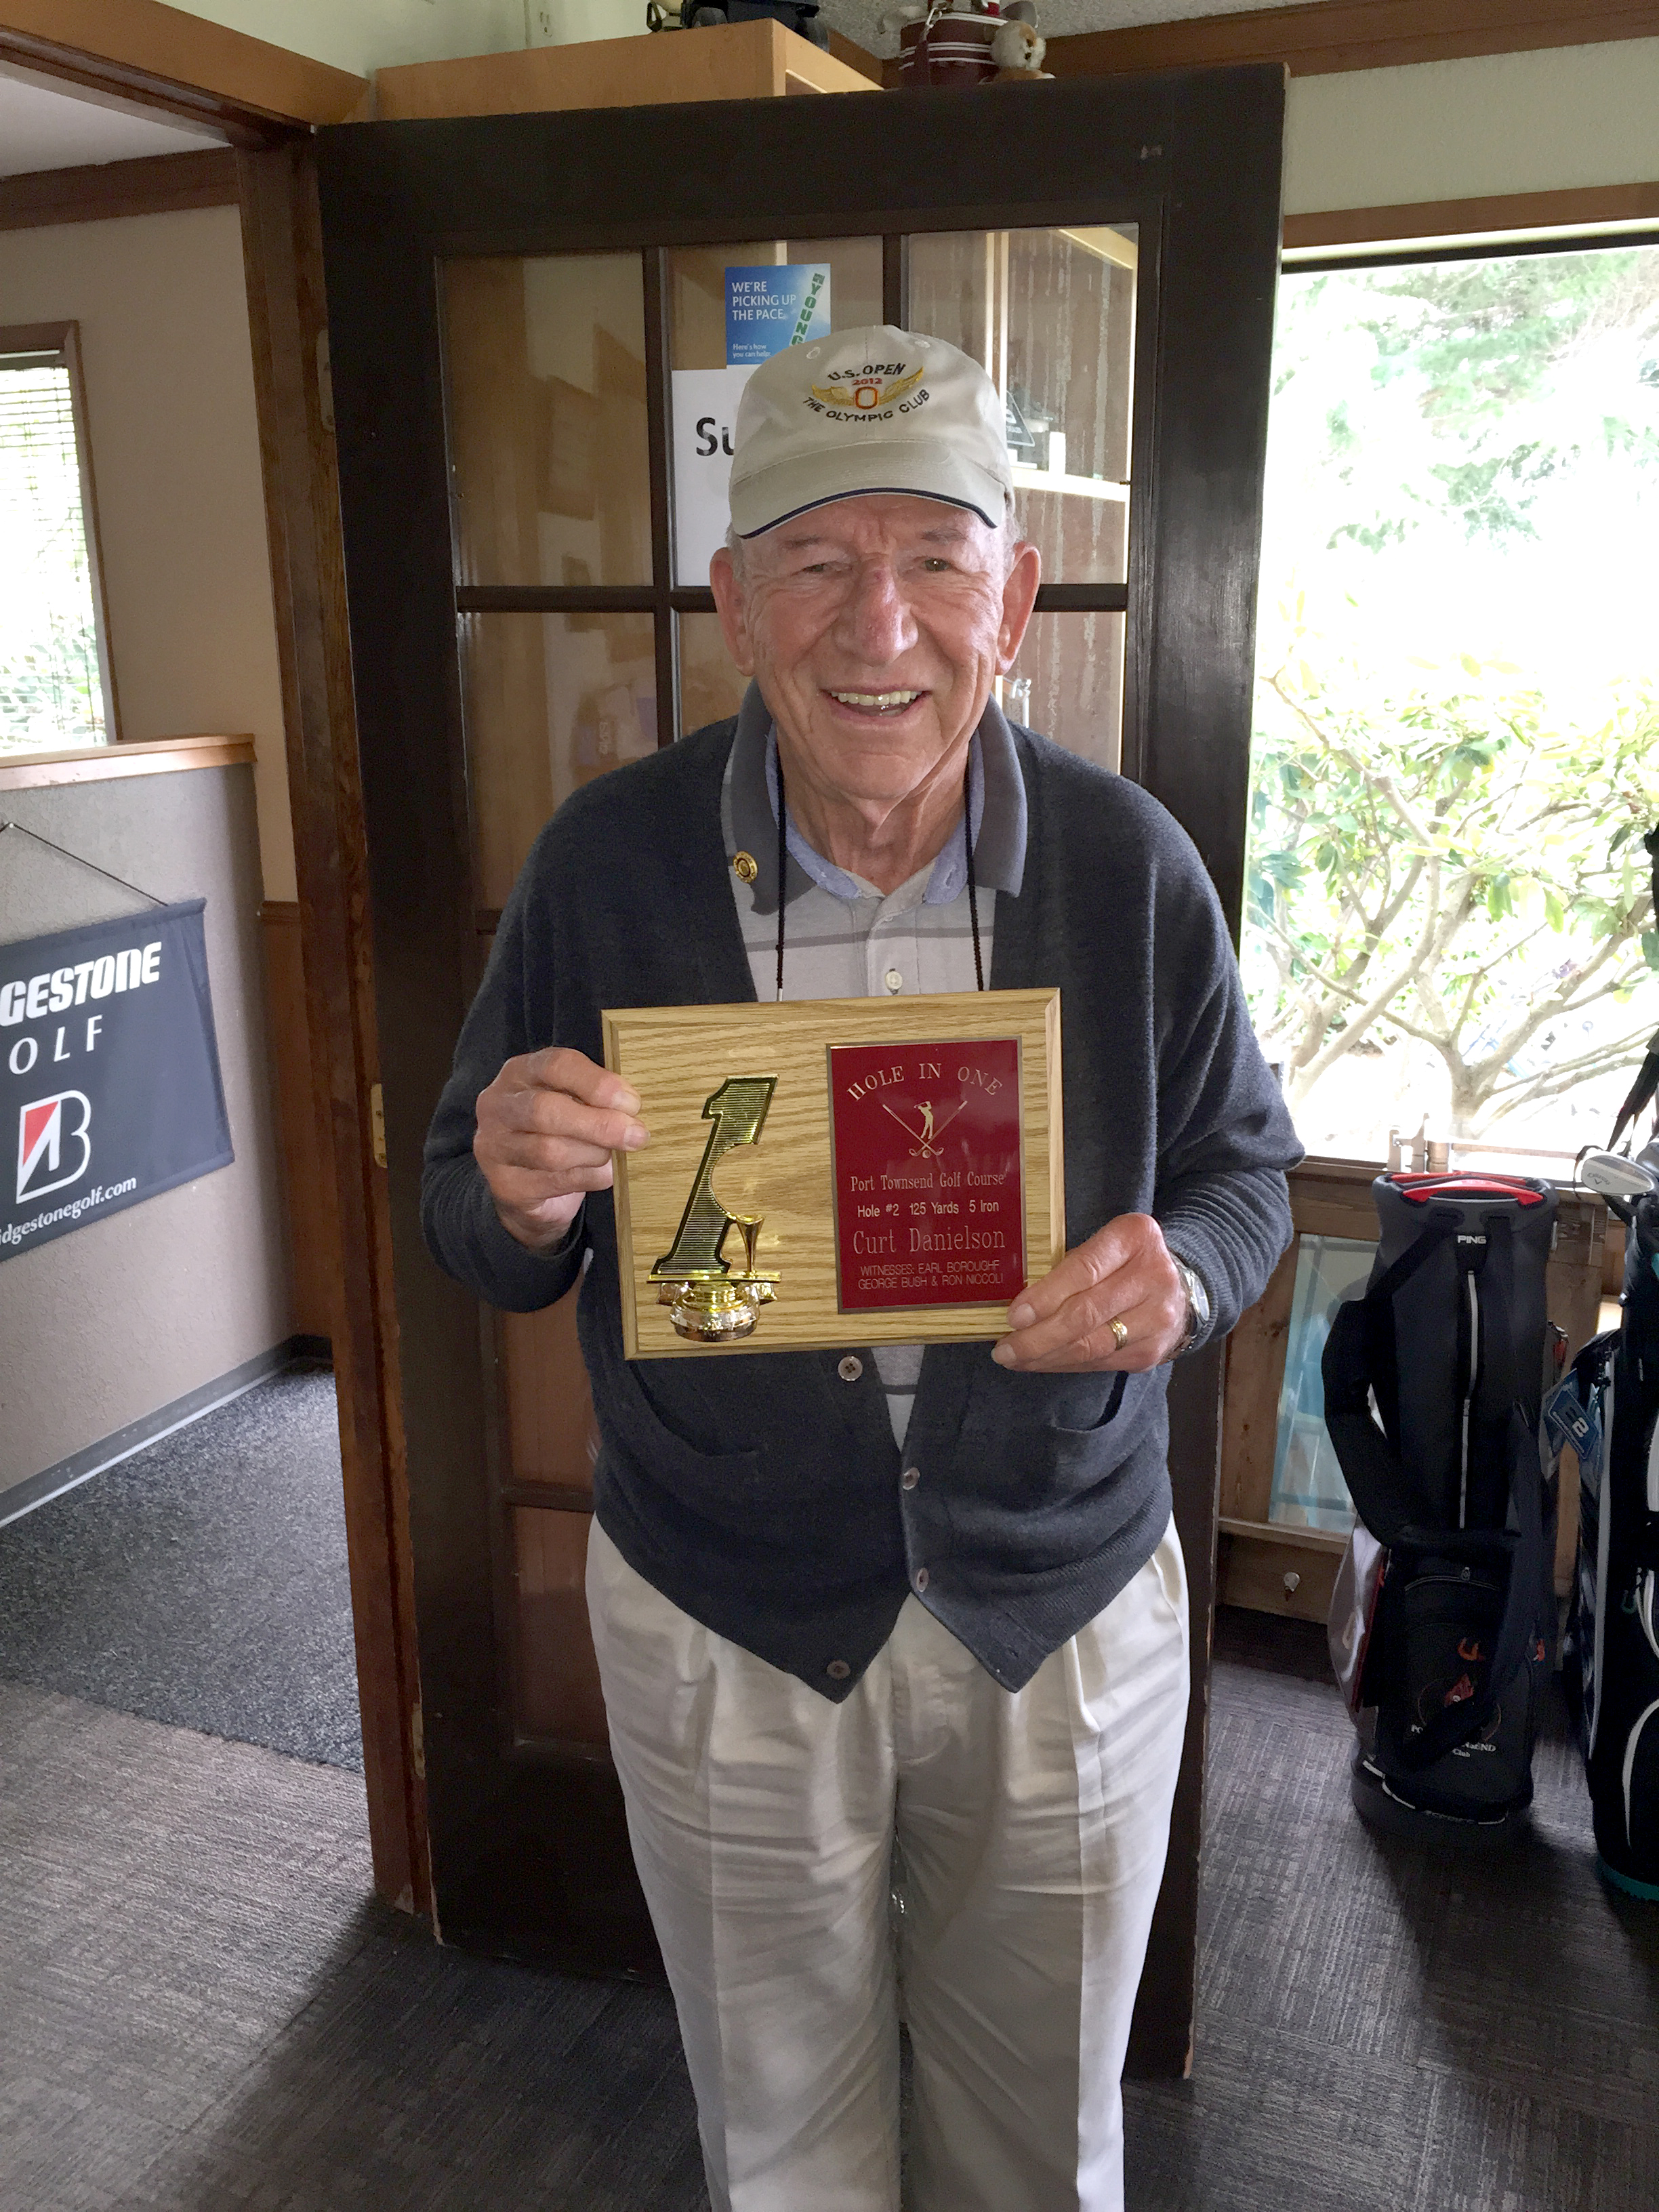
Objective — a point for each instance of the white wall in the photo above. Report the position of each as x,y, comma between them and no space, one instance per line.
162,306
1441,131
364,35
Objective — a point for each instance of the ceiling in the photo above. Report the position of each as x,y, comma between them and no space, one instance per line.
46,124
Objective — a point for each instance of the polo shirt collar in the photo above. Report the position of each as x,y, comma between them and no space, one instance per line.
997,799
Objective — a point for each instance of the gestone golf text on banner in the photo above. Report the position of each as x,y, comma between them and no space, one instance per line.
109,1071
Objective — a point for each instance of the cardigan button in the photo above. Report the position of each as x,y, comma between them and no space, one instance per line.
850,1368
838,1671
921,1579
910,1478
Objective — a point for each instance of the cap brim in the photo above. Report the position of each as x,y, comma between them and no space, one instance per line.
921,468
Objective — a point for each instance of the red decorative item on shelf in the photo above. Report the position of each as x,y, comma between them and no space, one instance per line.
953,44
950,47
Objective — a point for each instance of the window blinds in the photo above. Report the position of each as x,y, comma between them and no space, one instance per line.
50,692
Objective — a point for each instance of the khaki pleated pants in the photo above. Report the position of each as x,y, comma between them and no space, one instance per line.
1031,1829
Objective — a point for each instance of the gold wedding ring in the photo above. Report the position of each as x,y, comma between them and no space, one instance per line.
1120,1333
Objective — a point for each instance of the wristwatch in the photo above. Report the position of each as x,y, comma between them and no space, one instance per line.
1198,1305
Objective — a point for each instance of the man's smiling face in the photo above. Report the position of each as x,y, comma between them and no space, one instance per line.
874,626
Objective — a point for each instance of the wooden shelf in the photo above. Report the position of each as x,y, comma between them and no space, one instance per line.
1276,1532
105,763
758,60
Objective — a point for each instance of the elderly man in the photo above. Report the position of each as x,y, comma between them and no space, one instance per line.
886,1623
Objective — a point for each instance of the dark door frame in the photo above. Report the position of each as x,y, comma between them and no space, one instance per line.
1194,161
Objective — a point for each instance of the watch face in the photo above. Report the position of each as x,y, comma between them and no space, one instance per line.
1197,1296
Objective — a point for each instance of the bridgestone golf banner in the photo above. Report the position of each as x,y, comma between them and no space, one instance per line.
109,1072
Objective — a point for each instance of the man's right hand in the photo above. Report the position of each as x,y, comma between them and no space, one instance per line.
547,1128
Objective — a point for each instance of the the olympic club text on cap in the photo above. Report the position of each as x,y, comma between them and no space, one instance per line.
873,410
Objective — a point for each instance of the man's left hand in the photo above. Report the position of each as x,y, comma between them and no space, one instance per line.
1124,1272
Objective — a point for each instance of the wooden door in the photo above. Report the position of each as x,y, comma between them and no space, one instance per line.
510,300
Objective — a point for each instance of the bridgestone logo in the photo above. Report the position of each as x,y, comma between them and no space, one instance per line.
60,988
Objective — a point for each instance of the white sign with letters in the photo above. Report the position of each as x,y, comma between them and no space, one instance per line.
705,407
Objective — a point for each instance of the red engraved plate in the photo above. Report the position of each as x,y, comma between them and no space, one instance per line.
930,1201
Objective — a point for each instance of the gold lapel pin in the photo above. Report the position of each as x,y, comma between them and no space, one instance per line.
745,866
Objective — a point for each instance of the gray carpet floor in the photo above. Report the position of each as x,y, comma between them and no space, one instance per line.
201,2008
202,1581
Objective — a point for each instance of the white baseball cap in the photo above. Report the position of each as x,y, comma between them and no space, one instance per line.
865,411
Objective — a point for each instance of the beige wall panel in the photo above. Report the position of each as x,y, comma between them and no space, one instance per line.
162,307
1568,117
105,1324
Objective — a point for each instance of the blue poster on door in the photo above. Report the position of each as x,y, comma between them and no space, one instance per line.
770,307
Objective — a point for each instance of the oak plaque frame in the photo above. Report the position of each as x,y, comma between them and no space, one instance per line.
676,1056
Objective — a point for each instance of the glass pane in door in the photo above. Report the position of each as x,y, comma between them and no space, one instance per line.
550,702
1050,313
724,305
1067,684
710,686
545,367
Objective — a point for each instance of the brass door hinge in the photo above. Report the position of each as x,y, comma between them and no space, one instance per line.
377,1123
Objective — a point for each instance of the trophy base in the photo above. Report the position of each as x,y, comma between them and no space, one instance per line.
718,1310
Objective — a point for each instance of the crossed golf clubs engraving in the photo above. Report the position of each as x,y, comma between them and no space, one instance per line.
927,1145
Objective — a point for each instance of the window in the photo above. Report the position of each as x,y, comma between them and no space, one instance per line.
1456,747
55,690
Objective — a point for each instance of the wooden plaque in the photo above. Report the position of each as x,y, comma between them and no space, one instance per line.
835,1171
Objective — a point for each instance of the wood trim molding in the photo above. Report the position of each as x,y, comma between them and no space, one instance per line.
308,1169
1460,219
160,184
1330,35
34,338
255,92
283,254
109,763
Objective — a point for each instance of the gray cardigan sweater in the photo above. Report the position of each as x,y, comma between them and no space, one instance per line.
762,1494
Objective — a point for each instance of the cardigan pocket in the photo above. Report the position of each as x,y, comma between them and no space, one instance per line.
1002,1405
716,1486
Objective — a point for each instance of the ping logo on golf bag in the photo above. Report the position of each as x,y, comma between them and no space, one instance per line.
43,1139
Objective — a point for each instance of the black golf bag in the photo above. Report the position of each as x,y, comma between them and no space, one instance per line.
1444,1610
1607,1410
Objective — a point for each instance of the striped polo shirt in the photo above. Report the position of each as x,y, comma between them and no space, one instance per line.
844,938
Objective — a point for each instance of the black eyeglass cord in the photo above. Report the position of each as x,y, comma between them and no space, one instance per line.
783,867
973,895
967,838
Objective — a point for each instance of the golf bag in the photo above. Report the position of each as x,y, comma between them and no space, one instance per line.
1443,1612
1607,1409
